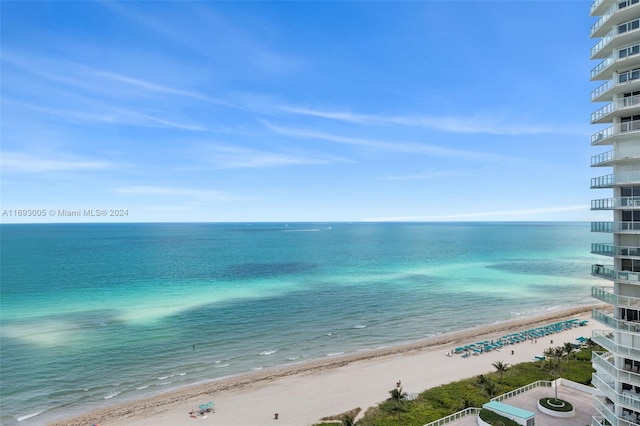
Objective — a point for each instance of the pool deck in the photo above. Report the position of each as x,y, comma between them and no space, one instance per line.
529,401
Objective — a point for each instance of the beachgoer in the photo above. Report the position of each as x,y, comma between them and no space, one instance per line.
275,416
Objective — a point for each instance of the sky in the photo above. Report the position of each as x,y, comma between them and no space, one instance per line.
241,111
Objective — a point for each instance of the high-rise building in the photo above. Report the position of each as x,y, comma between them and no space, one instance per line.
617,376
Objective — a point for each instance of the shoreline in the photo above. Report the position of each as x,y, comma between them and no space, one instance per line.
160,405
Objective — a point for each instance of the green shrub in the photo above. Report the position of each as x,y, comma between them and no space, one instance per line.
496,419
441,401
552,404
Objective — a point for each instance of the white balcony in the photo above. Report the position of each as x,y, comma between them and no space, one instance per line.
618,36
615,203
618,12
604,338
614,323
606,295
625,82
609,158
628,105
604,361
627,399
614,61
598,7
621,129
609,273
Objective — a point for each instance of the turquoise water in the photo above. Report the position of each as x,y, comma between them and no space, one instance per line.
99,314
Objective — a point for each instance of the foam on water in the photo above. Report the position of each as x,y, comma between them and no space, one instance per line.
154,307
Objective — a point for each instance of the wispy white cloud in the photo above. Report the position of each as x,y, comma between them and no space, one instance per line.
108,115
422,176
379,145
485,124
172,191
18,162
228,157
474,215
155,87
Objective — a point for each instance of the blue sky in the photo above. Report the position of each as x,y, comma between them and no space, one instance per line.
298,111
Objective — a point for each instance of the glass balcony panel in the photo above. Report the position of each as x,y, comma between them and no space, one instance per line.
604,18
617,179
616,324
601,226
595,5
601,66
607,410
605,339
606,295
603,41
604,361
612,203
603,204
616,129
604,249
617,105
627,399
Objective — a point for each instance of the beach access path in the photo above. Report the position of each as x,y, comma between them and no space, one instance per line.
303,394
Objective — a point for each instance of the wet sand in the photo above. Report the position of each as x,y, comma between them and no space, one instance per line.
302,394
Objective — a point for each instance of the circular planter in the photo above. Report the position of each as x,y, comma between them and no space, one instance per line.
554,413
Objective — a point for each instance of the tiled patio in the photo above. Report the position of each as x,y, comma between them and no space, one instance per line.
529,401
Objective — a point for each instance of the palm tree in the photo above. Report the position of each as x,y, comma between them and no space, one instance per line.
558,352
397,394
348,420
501,367
552,367
490,389
568,350
481,380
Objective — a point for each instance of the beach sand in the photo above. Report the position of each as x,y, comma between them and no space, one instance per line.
302,394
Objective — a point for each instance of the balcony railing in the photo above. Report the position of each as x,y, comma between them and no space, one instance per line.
629,77
631,227
630,400
607,272
601,226
610,12
607,410
615,155
615,203
595,5
616,129
604,249
608,249
602,66
604,360
603,41
604,18
616,324
617,179
605,294
617,105
605,339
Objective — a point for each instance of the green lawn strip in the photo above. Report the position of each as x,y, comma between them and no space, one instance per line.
441,401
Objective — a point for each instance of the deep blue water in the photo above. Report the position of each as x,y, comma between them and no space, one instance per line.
96,314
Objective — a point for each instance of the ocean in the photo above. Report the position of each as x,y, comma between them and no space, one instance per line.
99,314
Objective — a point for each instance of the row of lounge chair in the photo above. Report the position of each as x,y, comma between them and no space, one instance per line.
511,339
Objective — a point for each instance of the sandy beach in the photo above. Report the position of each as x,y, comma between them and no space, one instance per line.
302,394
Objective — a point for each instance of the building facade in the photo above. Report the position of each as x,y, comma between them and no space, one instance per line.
617,98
